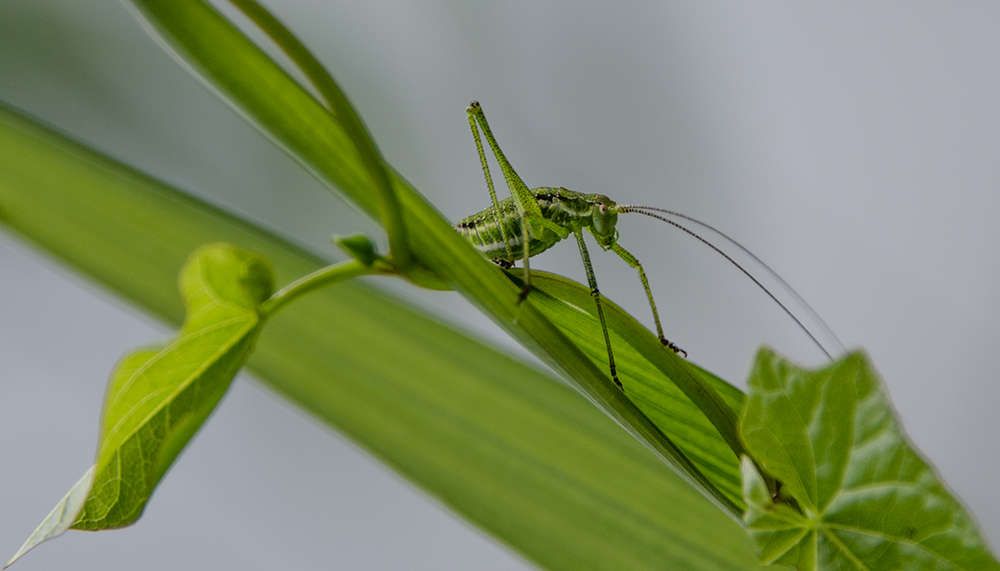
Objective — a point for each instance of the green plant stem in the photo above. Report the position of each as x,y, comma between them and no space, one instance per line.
320,278
343,111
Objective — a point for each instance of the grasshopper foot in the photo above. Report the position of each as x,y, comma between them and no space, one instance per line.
614,376
524,294
673,347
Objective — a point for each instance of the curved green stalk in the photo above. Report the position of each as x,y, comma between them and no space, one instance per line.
338,104
320,278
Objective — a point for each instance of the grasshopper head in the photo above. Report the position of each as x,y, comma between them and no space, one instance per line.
604,220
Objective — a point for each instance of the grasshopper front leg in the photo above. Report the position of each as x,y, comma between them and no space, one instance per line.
596,294
634,262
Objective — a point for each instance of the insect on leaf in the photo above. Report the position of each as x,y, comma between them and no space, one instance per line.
654,391
854,493
158,397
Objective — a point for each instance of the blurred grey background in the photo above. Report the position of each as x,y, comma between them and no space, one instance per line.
853,146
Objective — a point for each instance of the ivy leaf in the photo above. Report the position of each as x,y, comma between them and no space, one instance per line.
158,397
854,493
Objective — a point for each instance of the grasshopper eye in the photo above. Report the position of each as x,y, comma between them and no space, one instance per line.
604,220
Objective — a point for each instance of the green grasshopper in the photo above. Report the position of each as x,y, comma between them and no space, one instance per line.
531,221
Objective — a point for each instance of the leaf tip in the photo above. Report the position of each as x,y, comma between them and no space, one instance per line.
61,518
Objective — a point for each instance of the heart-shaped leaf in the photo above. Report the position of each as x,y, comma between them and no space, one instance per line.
158,397
853,493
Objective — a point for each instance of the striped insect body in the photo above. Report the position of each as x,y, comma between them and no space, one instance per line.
570,210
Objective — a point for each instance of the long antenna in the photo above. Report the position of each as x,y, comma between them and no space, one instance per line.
630,208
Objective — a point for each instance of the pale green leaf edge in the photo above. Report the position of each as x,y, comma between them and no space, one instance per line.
60,519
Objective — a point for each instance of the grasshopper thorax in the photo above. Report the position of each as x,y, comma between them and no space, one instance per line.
575,210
